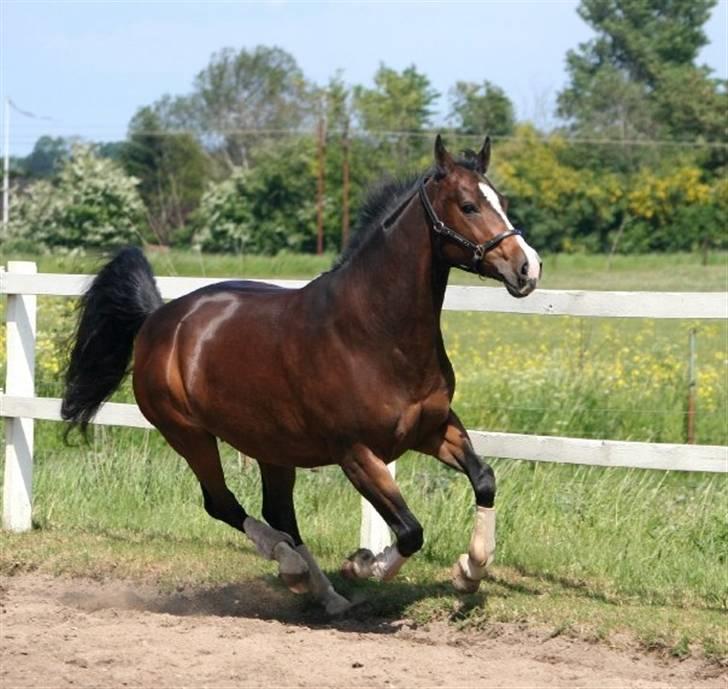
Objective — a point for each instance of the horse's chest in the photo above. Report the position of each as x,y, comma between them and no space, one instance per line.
418,420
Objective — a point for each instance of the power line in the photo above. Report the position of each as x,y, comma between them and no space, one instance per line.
381,134
27,113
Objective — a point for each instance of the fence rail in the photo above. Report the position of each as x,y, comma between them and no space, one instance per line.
20,407
697,305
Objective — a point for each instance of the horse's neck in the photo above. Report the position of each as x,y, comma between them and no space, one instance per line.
396,283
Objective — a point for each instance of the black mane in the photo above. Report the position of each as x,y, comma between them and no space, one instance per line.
381,200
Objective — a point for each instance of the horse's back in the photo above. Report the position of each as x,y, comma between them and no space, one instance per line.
215,314
243,287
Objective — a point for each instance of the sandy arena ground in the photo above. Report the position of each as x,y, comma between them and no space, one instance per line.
63,632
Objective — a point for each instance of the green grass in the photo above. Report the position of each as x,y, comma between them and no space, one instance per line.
623,379
656,272
184,263
587,551
577,524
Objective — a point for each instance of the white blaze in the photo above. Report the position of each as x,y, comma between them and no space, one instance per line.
534,262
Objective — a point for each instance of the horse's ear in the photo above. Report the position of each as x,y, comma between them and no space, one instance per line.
483,157
444,160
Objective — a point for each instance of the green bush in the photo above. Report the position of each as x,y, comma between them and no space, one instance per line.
264,209
570,207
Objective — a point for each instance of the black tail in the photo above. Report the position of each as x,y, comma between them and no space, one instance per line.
113,309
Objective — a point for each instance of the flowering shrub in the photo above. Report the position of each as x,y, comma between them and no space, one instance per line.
565,207
91,203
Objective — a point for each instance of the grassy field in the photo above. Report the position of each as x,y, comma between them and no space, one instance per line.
673,272
587,551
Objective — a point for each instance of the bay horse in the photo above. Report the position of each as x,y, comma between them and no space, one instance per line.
350,369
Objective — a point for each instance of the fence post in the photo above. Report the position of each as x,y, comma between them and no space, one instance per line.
375,533
19,380
692,385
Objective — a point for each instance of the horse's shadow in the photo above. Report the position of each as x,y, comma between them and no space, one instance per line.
376,607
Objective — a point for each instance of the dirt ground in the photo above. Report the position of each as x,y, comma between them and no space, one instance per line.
63,632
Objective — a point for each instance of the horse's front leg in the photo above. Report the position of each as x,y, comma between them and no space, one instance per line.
369,475
280,513
452,446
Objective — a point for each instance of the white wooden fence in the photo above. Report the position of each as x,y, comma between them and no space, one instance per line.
18,404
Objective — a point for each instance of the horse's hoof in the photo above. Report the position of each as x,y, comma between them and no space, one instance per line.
461,583
292,568
358,565
296,583
337,605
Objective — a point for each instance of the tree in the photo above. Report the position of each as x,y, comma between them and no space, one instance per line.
642,37
635,78
113,150
90,203
339,163
399,105
481,108
240,100
266,209
399,102
47,155
172,170
691,104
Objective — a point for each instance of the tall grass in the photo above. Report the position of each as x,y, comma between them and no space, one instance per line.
622,379
655,537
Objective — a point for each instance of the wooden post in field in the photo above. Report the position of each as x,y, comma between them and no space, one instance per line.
346,149
20,381
321,146
692,386
374,533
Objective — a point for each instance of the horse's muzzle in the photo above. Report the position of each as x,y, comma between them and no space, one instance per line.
523,282
524,288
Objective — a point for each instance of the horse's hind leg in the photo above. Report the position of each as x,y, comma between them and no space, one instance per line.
200,450
371,478
280,513
452,446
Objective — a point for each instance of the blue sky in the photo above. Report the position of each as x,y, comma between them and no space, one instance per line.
90,65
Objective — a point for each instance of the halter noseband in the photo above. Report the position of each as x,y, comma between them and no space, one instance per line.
442,231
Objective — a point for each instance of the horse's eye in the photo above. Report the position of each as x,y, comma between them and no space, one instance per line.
469,208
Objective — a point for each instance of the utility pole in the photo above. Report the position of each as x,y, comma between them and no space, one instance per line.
346,146
6,169
320,182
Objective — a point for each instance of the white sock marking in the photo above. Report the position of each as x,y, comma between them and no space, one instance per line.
388,563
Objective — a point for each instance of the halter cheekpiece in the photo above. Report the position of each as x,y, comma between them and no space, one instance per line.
442,231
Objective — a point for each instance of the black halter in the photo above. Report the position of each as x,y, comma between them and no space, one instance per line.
442,231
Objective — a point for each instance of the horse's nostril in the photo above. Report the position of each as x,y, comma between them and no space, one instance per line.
524,268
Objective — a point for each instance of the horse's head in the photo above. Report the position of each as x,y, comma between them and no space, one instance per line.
471,226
